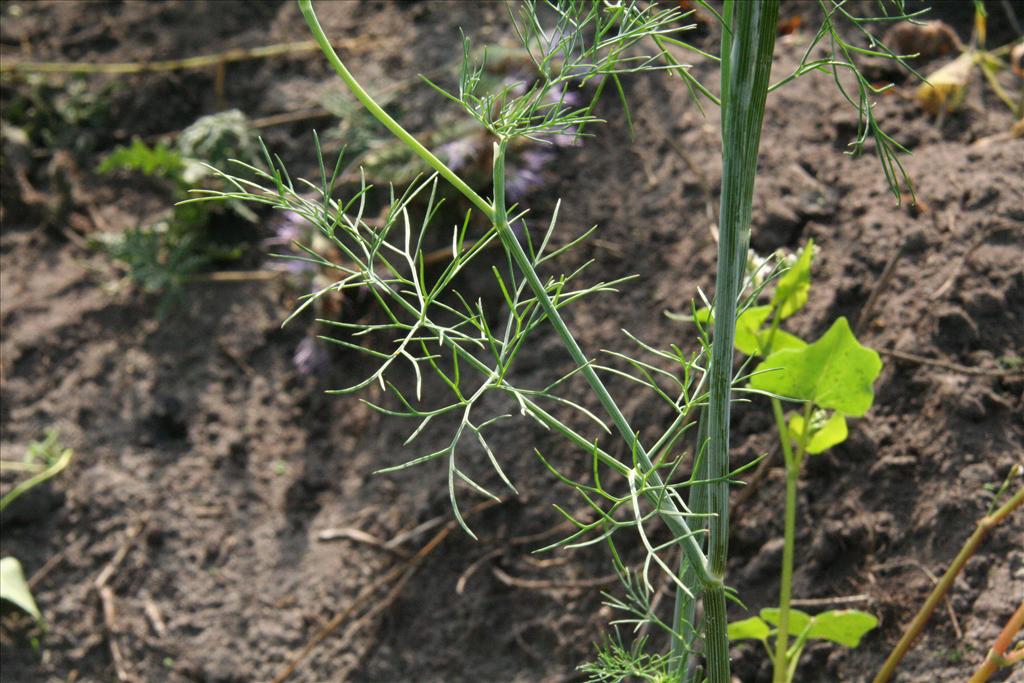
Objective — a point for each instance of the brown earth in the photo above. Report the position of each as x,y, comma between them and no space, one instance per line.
206,466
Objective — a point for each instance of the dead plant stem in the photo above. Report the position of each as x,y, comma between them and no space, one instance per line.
985,525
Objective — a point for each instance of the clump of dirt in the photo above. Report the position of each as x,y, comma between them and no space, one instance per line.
230,502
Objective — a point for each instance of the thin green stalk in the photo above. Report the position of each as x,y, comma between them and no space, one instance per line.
378,113
748,43
793,463
685,612
669,513
37,479
496,212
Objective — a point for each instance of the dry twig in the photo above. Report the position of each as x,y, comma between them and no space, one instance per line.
881,285
108,603
955,367
399,574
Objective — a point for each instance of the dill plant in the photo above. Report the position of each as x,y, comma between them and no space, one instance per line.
429,327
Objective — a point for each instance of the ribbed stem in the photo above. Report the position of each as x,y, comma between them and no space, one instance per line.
685,614
716,650
746,67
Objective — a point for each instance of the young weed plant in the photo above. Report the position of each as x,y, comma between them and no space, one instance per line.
826,381
161,257
676,504
44,460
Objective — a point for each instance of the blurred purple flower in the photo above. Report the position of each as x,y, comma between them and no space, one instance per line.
289,227
292,266
566,139
525,172
569,98
310,356
520,182
457,153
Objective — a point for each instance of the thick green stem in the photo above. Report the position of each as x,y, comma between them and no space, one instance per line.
746,67
716,640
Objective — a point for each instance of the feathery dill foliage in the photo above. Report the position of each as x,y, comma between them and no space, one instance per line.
427,326
587,41
840,57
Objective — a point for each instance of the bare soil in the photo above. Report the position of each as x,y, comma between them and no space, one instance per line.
207,467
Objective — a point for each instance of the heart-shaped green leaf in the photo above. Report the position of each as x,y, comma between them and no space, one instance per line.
834,372
780,340
798,620
843,626
753,628
791,291
825,436
14,587
748,324
751,339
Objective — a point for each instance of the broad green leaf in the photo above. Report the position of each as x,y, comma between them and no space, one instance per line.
748,326
751,337
798,620
843,626
791,291
753,628
823,437
834,372
14,587
781,340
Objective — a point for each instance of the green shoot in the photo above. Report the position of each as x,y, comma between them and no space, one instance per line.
44,460
830,380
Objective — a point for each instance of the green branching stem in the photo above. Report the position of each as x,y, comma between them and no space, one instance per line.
748,44
670,514
378,113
